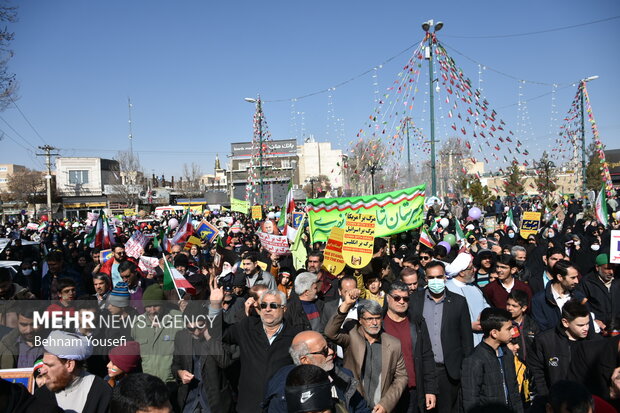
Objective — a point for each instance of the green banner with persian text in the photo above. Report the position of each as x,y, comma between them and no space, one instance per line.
237,205
396,212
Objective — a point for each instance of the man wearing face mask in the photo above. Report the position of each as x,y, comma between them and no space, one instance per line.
520,255
450,330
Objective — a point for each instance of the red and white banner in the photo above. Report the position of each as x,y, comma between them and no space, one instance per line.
148,264
135,245
276,244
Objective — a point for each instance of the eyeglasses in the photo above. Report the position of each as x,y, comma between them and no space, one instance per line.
399,298
323,352
273,306
192,329
424,258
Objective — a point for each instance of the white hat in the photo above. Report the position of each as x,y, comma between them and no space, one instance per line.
460,263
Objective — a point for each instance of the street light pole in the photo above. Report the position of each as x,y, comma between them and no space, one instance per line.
429,55
582,87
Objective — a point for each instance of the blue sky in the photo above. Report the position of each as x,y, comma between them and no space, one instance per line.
187,66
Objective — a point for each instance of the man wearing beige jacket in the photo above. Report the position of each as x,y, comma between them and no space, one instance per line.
374,357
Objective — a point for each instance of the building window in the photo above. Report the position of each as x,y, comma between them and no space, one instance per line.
3,169
3,180
286,163
78,177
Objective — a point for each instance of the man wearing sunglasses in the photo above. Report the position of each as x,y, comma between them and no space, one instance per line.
374,357
417,351
263,341
309,347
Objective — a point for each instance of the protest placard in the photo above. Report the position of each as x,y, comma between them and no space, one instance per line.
333,262
135,245
207,231
257,212
22,376
191,241
530,223
614,248
237,205
276,244
359,239
105,255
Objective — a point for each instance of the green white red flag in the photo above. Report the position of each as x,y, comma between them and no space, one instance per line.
100,236
510,222
600,208
426,239
174,280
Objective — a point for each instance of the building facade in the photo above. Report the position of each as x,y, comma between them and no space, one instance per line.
318,158
80,182
6,170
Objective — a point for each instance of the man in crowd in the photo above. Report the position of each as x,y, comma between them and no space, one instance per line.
496,292
517,305
417,351
263,342
155,331
538,281
550,358
449,326
489,375
111,266
462,272
374,357
309,347
18,349
304,308
327,282
410,276
140,393
602,291
58,269
254,274
547,304
520,255
103,286
66,380
135,284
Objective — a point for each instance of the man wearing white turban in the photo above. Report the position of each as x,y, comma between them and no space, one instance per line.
66,381
461,273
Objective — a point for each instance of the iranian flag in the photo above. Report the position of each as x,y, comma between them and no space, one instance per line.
600,208
460,236
184,231
426,239
510,222
100,236
173,280
286,212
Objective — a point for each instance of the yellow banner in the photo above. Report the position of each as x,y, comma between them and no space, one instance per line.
530,222
237,205
129,211
196,209
257,212
192,241
333,262
359,239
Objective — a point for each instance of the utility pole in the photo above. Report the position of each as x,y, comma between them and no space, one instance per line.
48,178
426,26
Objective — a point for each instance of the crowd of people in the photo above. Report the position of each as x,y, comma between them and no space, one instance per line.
493,322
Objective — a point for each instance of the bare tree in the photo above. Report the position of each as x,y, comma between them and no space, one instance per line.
8,85
128,162
27,186
130,174
191,175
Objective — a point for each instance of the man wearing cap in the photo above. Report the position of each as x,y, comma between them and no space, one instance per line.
66,380
155,331
462,273
602,290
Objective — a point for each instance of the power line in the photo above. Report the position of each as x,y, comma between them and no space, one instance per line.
555,29
27,121
17,133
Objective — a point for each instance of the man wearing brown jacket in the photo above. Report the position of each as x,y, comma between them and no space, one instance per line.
374,357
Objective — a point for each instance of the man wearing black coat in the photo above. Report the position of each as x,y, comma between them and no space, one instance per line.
263,343
602,291
447,319
550,358
489,375
199,367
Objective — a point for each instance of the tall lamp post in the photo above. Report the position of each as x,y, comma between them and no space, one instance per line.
582,86
372,168
259,113
426,26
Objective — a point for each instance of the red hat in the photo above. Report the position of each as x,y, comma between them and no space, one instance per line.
126,357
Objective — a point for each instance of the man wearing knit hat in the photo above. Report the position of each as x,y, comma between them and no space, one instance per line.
155,331
66,380
119,296
602,290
